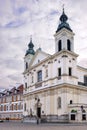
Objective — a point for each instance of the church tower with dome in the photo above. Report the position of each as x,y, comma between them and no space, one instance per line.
55,86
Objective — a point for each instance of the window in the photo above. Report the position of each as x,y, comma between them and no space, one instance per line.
70,71
83,116
59,45
85,80
68,45
26,65
59,72
18,97
39,76
38,60
59,102
32,79
2,107
24,106
46,72
19,106
6,108
25,85
71,102
18,115
14,106
8,99
73,116
10,108
14,97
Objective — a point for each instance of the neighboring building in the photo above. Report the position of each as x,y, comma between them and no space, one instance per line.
55,86
11,104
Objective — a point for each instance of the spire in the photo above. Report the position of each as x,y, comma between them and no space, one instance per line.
30,48
63,22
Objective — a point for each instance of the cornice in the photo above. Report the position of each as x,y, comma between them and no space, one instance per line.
53,87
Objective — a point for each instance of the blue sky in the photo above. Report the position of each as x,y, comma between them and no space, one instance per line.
19,19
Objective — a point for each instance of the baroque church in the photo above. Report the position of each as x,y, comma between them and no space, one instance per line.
55,86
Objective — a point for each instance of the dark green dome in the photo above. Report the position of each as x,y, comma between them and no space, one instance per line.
30,48
63,22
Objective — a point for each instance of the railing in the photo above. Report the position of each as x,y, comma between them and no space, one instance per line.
81,83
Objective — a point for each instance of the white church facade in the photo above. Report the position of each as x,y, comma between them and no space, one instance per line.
55,86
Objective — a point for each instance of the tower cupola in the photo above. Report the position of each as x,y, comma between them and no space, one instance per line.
30,48
64,36
63,22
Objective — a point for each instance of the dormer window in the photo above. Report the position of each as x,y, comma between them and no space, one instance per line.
59,45
68,45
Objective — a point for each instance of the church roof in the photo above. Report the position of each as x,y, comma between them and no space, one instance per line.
63,22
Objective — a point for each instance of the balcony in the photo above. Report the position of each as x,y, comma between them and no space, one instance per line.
38,84
82,83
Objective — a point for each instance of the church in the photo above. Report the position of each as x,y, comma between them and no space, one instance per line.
55,86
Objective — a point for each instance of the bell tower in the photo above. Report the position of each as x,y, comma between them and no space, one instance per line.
29,54
64,47
64,36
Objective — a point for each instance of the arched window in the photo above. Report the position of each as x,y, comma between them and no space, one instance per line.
59,102
68,45
59,45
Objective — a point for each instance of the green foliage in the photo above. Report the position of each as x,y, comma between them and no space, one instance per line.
73,111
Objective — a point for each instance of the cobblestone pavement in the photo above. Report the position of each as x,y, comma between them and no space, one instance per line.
26,126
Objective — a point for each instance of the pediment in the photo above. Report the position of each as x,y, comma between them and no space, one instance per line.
38,57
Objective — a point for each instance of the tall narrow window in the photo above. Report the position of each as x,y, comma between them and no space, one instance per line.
26,65
71,101
59,102
59,72
39,76
70,71
1,107
59,45
85,80
24,106
68,45
46,73
25,85
32,79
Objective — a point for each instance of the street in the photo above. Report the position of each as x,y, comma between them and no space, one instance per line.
26,126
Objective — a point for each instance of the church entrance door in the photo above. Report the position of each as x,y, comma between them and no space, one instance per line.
39,112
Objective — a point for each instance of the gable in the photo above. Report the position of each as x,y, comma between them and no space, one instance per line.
39,56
